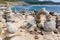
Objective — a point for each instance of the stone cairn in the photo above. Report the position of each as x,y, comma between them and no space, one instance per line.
16,26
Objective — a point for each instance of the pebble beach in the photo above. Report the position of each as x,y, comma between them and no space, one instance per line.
24,25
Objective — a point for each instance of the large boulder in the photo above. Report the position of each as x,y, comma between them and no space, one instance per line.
11,27
50,24
31,24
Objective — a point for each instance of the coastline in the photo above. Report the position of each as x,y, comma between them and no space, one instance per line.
19,26
23,4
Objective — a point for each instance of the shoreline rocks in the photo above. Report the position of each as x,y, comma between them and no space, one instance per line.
24,27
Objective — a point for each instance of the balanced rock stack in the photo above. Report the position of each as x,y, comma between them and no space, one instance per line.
16,26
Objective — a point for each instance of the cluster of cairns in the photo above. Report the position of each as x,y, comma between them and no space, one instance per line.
12,23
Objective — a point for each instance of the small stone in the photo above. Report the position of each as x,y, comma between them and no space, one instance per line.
36,37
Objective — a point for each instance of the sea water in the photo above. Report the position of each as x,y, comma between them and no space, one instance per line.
54,8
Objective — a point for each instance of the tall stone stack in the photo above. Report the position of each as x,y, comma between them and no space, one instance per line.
43,14
8,12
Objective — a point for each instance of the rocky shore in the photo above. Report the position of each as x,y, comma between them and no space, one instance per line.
24,25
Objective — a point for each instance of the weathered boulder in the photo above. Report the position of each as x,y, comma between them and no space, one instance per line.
11,27
50,24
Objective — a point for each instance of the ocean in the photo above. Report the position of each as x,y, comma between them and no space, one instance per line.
54,8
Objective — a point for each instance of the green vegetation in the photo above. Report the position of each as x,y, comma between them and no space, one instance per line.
9,0
44,2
